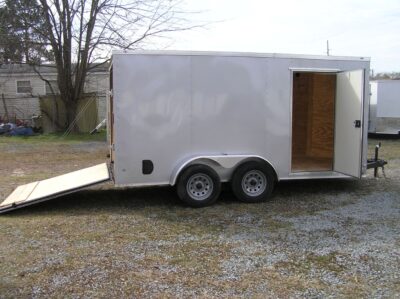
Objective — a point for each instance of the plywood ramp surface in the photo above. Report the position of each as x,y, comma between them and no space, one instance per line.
54,187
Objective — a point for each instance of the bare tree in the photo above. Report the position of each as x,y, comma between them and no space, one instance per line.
81,33
386,76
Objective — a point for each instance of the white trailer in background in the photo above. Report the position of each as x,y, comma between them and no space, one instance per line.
384,114
196,119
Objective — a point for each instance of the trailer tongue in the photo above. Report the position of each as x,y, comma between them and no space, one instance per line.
39,191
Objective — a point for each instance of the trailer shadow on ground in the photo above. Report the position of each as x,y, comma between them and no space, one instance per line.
131,199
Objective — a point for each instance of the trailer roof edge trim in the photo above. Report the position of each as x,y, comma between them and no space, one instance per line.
237,54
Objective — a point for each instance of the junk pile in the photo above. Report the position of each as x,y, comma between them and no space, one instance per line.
98,127
12,129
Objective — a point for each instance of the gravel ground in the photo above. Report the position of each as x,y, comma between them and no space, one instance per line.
319,239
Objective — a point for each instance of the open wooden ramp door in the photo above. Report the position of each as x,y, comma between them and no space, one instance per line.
55,187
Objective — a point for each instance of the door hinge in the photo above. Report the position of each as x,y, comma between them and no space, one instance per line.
357,123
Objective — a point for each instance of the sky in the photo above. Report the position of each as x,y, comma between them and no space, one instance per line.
368,28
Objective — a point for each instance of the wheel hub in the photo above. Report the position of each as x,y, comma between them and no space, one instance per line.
199,186
254,183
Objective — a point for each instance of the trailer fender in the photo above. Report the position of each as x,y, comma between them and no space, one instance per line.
223,164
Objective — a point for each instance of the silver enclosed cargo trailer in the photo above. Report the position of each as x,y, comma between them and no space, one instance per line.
384,108
196,119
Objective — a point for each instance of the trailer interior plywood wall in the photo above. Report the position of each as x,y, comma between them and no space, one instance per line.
313,121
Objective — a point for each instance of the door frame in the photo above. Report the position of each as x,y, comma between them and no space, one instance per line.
314,174
304,174
110,115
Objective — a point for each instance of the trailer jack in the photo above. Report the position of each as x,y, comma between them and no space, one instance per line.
375,163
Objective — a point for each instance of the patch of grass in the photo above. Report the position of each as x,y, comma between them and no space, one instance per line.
312,263
56,138
390,148
280,284
325,261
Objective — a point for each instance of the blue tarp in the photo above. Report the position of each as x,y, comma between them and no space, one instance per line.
11,129
21,131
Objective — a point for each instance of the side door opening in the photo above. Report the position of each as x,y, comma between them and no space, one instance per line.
326,122
313,119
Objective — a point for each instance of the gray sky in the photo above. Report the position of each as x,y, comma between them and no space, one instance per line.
354,28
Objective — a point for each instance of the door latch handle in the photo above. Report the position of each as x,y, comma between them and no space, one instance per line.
357,123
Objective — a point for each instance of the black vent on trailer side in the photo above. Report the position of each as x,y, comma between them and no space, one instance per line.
147,167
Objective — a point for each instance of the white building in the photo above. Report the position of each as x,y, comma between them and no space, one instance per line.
21,87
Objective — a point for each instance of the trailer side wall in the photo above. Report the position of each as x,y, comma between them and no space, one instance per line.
169,108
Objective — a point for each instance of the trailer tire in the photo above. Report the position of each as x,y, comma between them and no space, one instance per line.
199,186
253,182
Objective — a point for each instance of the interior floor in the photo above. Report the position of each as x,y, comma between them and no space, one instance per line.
313,121
304,163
